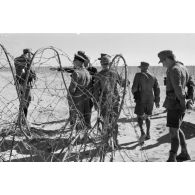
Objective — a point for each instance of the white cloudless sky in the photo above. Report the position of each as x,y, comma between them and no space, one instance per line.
135,47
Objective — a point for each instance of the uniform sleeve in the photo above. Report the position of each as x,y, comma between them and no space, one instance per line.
156,89
73,83
135,86
175,76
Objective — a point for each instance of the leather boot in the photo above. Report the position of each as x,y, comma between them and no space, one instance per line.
172,157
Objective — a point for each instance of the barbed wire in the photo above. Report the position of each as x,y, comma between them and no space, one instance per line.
46,133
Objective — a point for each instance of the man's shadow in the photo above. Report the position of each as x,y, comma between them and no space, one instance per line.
188,129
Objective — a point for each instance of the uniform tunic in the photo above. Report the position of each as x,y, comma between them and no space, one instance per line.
146,88
177,79
106,92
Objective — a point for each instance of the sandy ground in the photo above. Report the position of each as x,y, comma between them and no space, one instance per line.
48,113
157,148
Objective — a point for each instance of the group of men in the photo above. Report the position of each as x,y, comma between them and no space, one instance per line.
89,88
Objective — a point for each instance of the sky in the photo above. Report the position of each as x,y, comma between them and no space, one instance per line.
135,47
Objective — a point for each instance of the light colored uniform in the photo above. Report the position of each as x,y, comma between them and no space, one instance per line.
78,89
177,79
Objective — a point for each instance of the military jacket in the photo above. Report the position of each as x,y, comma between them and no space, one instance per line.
146,86
80,82
177,79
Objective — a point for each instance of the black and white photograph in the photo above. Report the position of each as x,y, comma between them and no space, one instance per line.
97,95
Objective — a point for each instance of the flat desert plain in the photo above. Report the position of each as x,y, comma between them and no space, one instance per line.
48,114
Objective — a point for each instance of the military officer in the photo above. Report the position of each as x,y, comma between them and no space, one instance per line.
175,103
146,92
22,66
106,93
78,92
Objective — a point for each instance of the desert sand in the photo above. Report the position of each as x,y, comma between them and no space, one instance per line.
48,114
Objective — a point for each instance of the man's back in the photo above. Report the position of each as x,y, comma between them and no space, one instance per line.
81,80
22,66
146,84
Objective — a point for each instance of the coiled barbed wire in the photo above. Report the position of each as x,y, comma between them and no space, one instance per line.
46,135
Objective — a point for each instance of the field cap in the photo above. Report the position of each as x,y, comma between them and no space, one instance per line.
82,53
25,51
79,57
105,58
164,54
143,64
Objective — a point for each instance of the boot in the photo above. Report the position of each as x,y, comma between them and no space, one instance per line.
183,156
147,136
172,157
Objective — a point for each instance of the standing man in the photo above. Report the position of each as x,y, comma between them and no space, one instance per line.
146,92
175,103
106,94
22,66
78,92
92,71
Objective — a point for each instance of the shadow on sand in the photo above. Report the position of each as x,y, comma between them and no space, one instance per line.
41,149
188,129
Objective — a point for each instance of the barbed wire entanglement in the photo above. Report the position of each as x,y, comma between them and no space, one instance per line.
46,133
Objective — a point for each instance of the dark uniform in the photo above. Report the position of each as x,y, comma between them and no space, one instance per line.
78,89
147,91
22,66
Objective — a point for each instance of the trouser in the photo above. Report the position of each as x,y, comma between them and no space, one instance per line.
109,112
27,98
80,109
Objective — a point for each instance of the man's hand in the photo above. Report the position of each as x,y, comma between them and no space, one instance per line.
157,105
183,105
189,104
